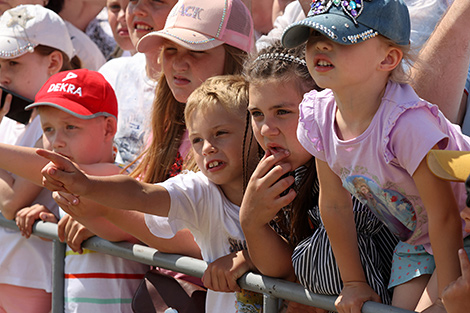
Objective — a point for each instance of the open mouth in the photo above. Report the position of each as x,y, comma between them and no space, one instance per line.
214,164
143,27
276,149
323,63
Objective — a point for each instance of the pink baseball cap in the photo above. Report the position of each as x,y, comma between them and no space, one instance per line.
204,24
82,93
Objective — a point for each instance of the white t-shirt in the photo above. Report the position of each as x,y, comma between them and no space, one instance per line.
201,206
25,262
292,13
88,52
135,93
10,130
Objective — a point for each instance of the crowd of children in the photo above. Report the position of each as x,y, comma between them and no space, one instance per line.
192,141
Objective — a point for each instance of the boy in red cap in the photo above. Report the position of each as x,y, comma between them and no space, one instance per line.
78,112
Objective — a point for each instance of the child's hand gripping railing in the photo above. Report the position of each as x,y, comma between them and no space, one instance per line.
272,288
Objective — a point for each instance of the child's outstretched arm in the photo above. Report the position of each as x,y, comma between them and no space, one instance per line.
116,191
260,205
445,227
131,223
337,215
22,161
15,194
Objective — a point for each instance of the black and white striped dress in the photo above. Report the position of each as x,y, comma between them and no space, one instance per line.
314,262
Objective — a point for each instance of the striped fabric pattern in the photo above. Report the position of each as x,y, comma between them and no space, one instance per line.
314,261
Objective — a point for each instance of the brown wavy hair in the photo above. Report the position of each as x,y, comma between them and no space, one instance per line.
271,63
168,124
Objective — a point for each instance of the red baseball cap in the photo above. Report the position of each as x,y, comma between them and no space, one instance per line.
82,93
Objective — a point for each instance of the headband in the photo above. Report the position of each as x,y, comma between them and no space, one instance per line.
281,56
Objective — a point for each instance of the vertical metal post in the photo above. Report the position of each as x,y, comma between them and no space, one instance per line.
58,256
270,304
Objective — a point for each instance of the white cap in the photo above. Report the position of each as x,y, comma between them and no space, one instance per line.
24,27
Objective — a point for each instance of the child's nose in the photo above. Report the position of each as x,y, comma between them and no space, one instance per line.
268,129
208,148
180,62
58,141
4,79
323,44
138,8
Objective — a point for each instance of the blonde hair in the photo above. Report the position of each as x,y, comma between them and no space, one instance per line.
227,91
168,124
400,74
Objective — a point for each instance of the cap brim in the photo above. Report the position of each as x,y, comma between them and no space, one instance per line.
68,106
187,38
11,47
336,27
449,165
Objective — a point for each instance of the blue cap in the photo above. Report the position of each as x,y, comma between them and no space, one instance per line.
352,21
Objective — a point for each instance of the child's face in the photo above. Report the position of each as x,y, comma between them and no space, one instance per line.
186,69
145,16
465,214
117,22
274,110
216,137
82,141
338,66
24,75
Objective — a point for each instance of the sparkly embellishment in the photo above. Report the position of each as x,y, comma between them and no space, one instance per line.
188,41
29,47
352,8
19,17
330,33
346,25
363,36
333,27
223,19
281,56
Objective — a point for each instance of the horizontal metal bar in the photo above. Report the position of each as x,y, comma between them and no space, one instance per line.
250,281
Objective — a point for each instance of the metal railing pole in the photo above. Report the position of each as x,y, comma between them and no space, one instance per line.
58,255
271,288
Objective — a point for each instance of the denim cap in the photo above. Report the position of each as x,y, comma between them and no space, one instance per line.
352,21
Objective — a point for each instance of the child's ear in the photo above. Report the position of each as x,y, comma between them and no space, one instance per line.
56,60
110,128
392,59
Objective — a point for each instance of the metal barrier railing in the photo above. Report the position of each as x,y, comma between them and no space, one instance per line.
272,288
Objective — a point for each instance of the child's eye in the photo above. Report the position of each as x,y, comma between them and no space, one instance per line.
221,132
195,140
256,113
114,7
12,63
282,112
197,52
47,129
71,127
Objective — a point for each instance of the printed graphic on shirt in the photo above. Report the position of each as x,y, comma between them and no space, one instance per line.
131,140
390,206
246,301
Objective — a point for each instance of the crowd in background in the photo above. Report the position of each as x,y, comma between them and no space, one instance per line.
284,137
